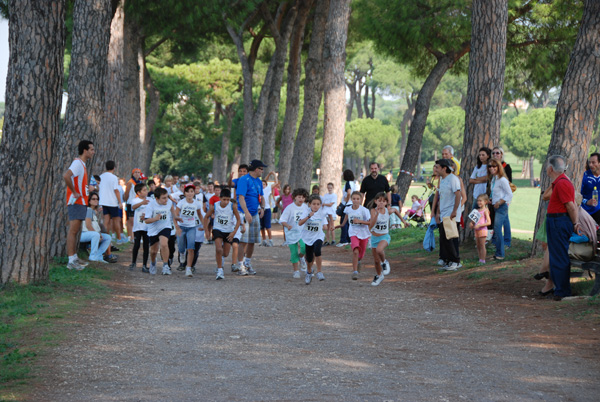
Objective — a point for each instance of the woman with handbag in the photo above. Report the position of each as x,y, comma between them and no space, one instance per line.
501,196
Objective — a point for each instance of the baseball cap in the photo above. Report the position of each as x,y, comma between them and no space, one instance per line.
136,170
189,185
445,163
256,163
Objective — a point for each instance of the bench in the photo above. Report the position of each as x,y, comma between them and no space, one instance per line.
590,266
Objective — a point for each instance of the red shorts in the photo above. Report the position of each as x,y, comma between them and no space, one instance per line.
361,244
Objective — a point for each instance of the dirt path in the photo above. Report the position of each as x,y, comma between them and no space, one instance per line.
416,337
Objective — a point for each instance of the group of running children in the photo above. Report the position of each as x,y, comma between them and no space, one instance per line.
168,216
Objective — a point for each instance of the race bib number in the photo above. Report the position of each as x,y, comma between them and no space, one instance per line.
223,220
297,217
187,212
381,226
313,226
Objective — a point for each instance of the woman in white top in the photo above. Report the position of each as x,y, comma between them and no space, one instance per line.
479,177
500,196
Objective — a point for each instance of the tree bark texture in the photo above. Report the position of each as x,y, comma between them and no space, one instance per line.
292,102
31,130
577,107
406,120
152,110
302,162
351,99
334,52
486,86
274,98
85,108
417,127
223,160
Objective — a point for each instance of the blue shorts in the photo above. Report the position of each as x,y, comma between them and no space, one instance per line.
187,240
375,240
265,221
114,212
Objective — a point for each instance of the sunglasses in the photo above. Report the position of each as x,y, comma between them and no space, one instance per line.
94,199
496,153
493,166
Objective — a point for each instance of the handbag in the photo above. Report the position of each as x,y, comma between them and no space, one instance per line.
512,187
339,211
450,228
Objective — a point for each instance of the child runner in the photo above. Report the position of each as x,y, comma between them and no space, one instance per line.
128,196
315,189
188,213
286,198
235,267
226,223
152,186
265,221
380,239
199,236
140,229
359,218
396,223
293,233
481,226
312,235
159,218
329,204
208,195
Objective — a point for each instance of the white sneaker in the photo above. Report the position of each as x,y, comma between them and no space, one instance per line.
152,269
188,272
270,243
453,266
377,280
303,265
320,276
341,244
75,266
166,270
385,266
296,275
308,278
235,267
220,274
81,262
242,271
247,263
441,262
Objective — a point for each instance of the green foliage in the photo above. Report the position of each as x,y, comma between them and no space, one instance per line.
444,127
369,138
529,133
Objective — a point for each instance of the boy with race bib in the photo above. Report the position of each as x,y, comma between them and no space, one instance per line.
226,224
140,229
159,218
187,219
312,223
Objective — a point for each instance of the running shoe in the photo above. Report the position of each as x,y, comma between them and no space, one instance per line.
188,272
386,267
308,278
355,275
152,269
81,262
341,244
145,270
181,267
131,266
75,266
296,275
441,262
303,265
243,271
220,274
251,271
326,244
377,280
270,243
320,276
235,267
101,261
166,270
110,258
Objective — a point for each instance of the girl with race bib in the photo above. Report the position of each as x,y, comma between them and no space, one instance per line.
293,232
380,230
359,218
189,211
312,223
226,224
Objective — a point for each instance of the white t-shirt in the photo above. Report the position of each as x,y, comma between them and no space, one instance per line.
224,217
382,225
200,233
448,186
312,230
355,229
291,215
328,198
108,184
165,222
79,175
479,188
267,196
189,213
138,223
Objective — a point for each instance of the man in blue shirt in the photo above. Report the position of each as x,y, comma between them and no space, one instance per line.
591,180
251,203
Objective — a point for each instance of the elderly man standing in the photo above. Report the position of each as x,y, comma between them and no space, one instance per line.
448,153
251,203
561,222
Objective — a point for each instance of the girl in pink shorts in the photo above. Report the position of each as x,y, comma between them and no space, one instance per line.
481,225
359,218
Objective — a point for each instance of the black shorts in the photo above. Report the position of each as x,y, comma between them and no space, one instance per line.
217,234
166,232
129,211
114,212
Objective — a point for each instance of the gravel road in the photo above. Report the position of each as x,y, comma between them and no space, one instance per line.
271,337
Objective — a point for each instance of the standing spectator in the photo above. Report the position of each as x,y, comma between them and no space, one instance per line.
501,196
448,198
76,179
129,195
251,203
110,200
561,222
350,187
374,184
498,153
448,153
591,181
479,175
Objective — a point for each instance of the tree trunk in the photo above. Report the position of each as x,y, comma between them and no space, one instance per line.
359,108
525,169
335,95
85,107
578,103
292,103
531,173
222,169
302,162
153,103
486,86
373,103
366,103
274,99
417,127
31,131
352,98
406,120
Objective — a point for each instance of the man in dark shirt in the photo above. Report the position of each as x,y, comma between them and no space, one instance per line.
375,183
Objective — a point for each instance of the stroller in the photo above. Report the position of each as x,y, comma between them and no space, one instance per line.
418,216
